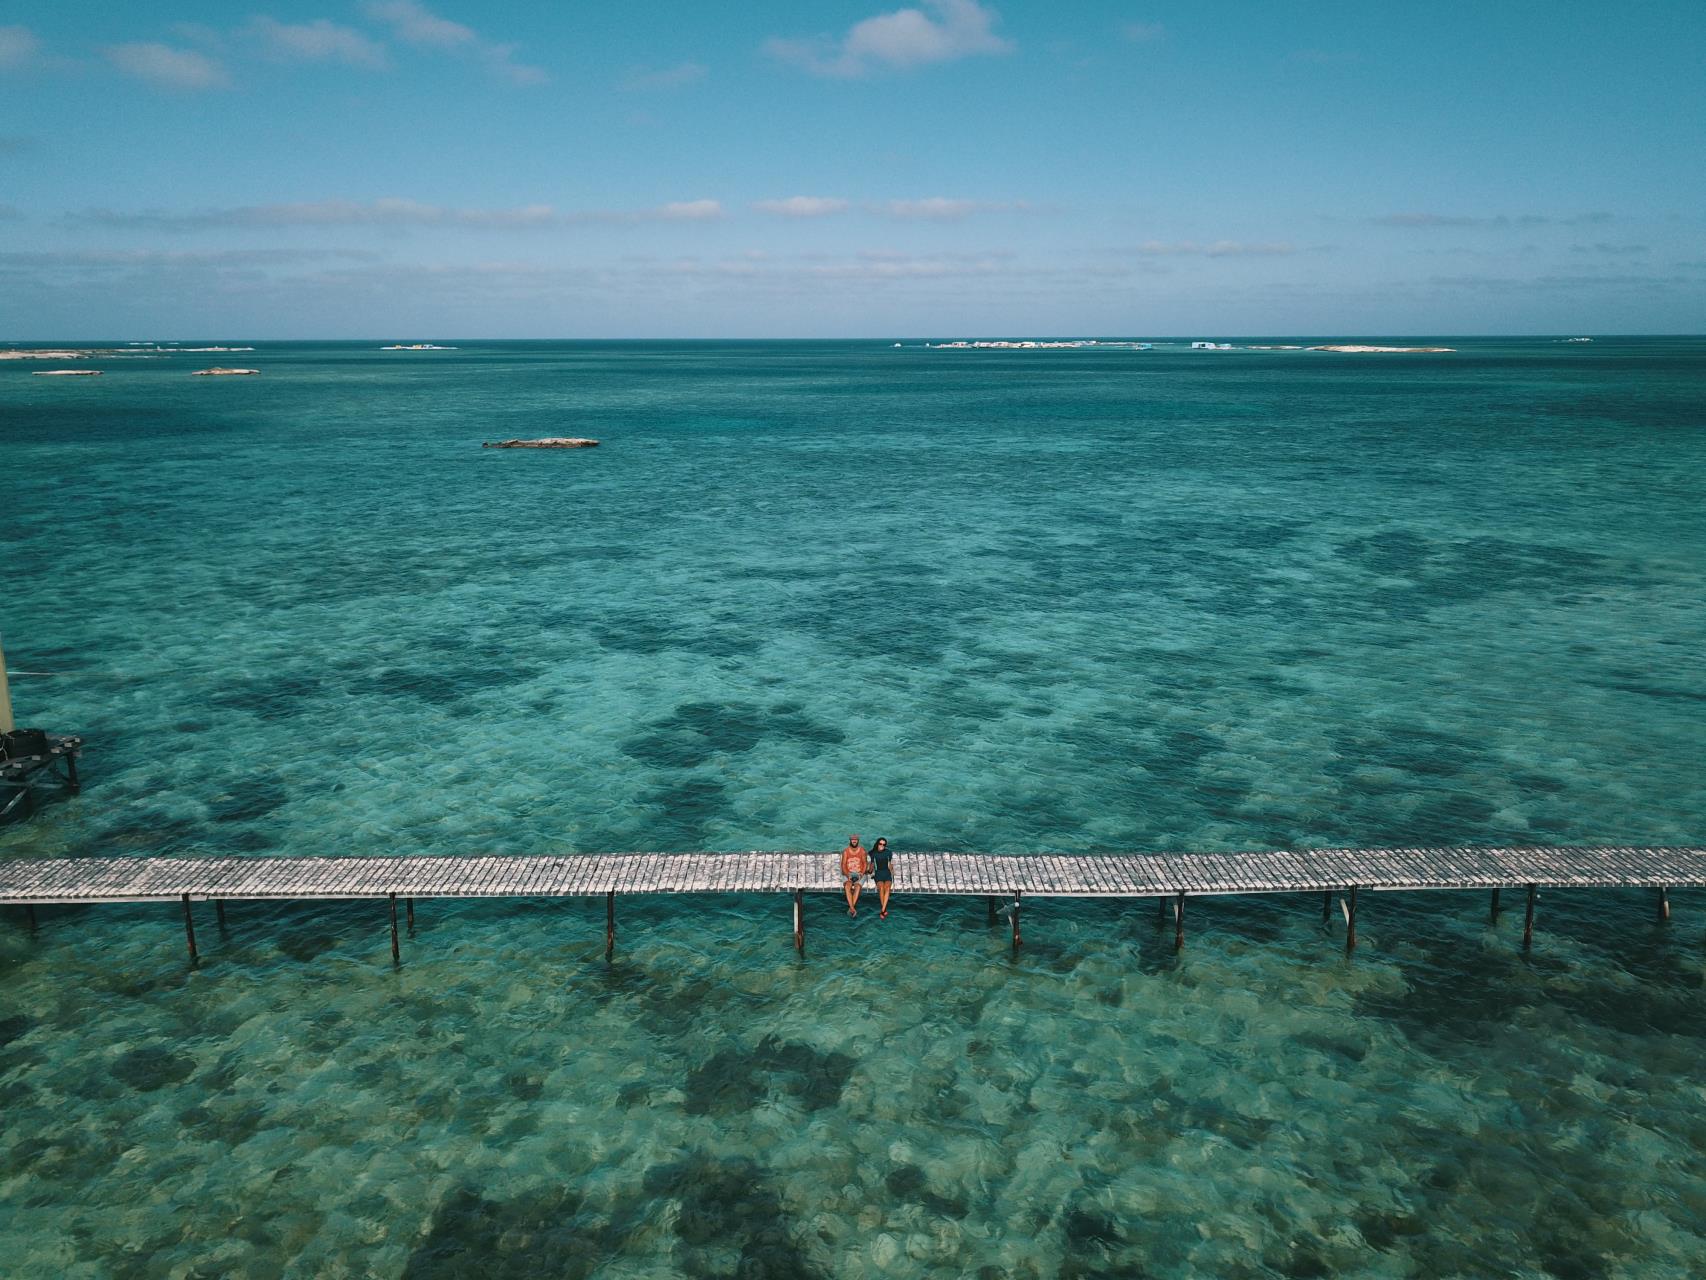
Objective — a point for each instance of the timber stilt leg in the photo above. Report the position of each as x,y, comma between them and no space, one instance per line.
990,902
1327,907
800,921
1495,906
1179,922
610,924
71,775
219,912
1528,921
1016,939
1664,904
1351,923
30,915
396,946
189,928
409,912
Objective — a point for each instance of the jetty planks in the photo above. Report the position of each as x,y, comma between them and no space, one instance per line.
1133,875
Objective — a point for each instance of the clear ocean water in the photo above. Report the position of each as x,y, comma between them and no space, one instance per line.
972,600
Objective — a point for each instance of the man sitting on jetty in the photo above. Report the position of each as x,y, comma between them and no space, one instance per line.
854,864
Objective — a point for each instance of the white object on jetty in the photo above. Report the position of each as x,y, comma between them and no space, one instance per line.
549,442
223,373
65,373
6,725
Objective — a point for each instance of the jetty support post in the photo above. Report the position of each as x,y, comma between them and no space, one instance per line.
1528,921
609,924
30,915
1664,903
219,912
409,912
1495,904
1017,941
1161,912
71,784
800,921
396,946
1327,907
1179,922
189,929
1351,922
990,900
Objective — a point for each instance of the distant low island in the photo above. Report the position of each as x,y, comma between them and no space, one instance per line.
1358,349
548,442
1075,344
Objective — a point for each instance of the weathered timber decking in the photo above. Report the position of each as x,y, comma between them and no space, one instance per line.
66,880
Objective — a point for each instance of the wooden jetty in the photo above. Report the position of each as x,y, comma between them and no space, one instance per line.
1336,874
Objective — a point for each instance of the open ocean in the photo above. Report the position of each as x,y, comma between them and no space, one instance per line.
971,600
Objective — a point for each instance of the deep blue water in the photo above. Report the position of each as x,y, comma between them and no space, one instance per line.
967,599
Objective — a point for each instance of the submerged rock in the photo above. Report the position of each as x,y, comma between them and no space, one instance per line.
548,442
151,1067
66,373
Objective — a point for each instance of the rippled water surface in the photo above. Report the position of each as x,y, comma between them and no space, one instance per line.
970,600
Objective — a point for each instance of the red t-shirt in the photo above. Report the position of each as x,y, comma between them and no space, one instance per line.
853,860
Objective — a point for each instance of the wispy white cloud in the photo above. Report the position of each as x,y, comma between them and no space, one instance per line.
941,31
1216,248
1437,221
414,24
803,206
18,48
168,67
689,210
96,259
664,78
318,41
389,213
1603,249
1558,282
1142,32
943,209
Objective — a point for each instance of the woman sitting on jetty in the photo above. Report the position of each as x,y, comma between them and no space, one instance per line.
882,858
854,864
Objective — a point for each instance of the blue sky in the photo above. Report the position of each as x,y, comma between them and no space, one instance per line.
450,168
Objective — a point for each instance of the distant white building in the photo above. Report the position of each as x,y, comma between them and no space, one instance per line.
1211,346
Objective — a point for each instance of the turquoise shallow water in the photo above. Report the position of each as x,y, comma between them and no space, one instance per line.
970,600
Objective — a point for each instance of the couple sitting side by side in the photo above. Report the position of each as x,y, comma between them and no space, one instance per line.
857,864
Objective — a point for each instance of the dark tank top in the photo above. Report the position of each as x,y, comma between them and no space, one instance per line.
881,858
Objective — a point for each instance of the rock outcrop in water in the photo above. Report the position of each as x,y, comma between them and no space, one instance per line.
223,373
549,442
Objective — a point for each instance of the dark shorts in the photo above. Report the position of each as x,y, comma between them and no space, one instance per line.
883,877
